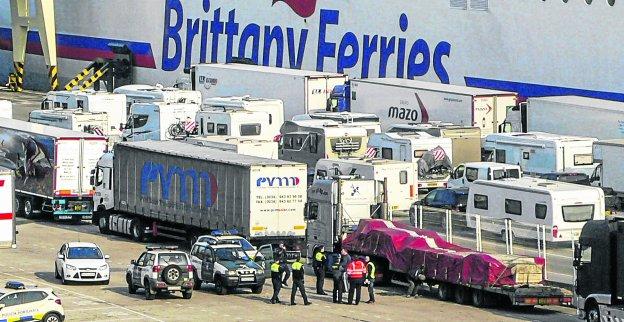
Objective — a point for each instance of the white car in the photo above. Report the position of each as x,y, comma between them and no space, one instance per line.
249,249
81,262
18,303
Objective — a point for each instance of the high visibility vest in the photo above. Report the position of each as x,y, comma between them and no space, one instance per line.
356,269
297,266
275,267
320,257
370,268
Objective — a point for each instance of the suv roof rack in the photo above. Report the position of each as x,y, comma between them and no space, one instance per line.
155,247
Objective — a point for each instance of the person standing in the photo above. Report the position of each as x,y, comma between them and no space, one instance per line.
356,272
415,279
276,280
319,264
298,283
370,280
336,277
282,257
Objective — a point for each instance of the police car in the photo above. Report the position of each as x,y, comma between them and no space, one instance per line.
19,303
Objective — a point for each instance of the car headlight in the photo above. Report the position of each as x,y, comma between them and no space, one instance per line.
70,267
103,267
260,272
231,273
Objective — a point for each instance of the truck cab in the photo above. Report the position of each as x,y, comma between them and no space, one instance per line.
464,174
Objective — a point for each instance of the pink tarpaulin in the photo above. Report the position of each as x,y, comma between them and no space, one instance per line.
406,248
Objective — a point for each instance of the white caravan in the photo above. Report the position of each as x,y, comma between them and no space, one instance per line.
541,153
7,209
467,173
273,107
235,123
114,105
260,148
6,109
75,120
432,155
160,121
406,101
400,178
157,93
562,207
368,121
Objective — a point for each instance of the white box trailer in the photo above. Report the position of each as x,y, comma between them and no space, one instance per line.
575,115
397,100
7,209
400,178
52,168
75,120
302,91
541,153
609,154
252,147
563,208
179,190
6,109
160,121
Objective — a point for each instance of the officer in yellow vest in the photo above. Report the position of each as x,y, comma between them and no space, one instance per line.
370,280
298,275
276,279
319,265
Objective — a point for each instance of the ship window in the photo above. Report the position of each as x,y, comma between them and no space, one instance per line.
459,4
611,2
588,1
481,5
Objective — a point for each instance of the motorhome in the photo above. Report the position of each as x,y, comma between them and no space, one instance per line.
235,123
467,173
466,139
310,140
157,93
368,121
397,180
252,147
433,155
75,120
114,105
563,208
160,121
541,153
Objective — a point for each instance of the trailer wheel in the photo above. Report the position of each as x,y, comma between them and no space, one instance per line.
462,294
592,313
137,230
29,208
19,211
103,224
445,291
478,298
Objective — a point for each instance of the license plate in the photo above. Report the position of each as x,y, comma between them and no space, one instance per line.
78,208
432,184
64,217
247,279
88,274
174,288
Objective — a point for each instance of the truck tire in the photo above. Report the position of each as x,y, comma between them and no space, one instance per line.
462,295
103,224
131,288
257,289
172,274
19,207
219,287
478,298
137,230
197,283
29,208
592,313
445,291
149,294
187,294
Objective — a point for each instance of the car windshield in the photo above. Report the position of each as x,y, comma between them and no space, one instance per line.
172,259
231,254
84,253
245,245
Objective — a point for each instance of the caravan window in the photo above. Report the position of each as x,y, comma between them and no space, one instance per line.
577,213
403,177
481,202
386,153
472,174
250,129
210,127
540,211
513,207
313,142
500,156
583,159
222,129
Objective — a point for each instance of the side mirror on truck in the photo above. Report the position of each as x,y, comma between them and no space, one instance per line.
577,255
92,178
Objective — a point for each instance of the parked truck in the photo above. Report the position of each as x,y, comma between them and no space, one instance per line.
302,91
179,190
52,168
161,121
599,265
8,231
609,173
407,101
258,148
574,115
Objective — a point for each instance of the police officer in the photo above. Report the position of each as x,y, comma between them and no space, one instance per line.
356,271
415,279
283,259
319,264
276,280
370,280
298,276
336,274
340,279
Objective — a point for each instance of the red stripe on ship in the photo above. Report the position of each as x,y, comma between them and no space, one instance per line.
6,216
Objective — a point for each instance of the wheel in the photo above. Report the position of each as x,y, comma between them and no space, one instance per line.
103,224
131,288
445,291
149,294
29,210
462,295
220,288
257,289
106,282
172,274
137,230
592,313
51,317
56,273
63,280
187,294
478,298
197,282
19,210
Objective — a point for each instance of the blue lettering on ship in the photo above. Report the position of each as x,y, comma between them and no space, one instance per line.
151,172
262,43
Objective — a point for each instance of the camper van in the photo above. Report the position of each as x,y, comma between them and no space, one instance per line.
258,148
235,123
75,120
466,139
563,208
368,121
433,155
541,153
465,174
399,178
310,140
157,93
273,107
160,121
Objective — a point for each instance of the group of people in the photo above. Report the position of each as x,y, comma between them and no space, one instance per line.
349,273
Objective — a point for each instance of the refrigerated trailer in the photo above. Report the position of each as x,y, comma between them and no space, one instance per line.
179,190
302,91
397,100
7,209
52,168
